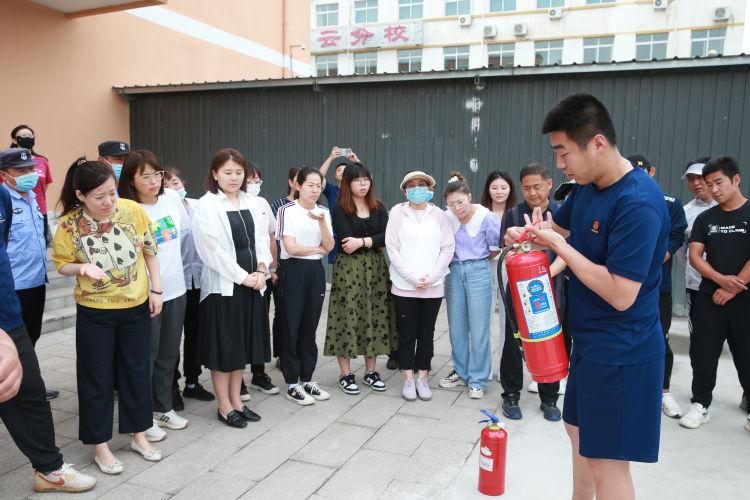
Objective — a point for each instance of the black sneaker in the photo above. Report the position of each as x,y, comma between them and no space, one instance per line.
244,395
51,394
373,380
392,363
298,395
198,392
262,382
551,412
347,384
510,407
177,403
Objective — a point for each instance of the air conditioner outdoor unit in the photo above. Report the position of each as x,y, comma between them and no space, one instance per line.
490,31
464,21
660,4
555,13
722,13
521,29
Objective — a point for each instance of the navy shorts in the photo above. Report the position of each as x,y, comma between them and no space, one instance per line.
617,408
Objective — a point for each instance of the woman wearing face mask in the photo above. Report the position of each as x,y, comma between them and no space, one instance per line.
499,195
107,244
231,236
142,180
192,267
419,239
306,237
23,136
468,288
360,312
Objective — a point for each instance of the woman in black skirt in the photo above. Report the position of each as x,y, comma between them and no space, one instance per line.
231,237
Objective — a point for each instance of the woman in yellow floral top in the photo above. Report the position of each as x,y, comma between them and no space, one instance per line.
107,243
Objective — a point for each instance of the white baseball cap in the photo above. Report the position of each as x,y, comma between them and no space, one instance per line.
695,168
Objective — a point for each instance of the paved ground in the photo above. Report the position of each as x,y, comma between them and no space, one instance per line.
376,445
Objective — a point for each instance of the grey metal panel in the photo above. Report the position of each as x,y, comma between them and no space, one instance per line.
670,115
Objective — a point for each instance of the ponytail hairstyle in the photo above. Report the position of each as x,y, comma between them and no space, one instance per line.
456,184
83,176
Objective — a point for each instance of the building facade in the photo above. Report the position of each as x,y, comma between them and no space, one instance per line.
390,36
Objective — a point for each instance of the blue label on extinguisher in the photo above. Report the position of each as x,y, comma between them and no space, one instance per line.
538,310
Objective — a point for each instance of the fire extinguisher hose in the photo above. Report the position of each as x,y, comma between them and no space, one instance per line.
509,311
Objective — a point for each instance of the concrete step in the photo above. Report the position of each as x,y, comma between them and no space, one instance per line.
56,280
58,298
58,319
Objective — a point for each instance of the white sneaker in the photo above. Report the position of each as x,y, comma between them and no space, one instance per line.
314,390
533,387
669,406
696,416
154,434
66,479
563,386
451,380
298,395
170,420
476,393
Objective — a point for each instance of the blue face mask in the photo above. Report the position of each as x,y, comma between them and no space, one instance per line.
182,194
117,167
26,182
418,195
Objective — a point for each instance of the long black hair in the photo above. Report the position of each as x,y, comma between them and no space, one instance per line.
83,176
15,131
487,198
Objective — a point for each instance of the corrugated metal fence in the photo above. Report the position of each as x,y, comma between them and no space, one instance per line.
475,125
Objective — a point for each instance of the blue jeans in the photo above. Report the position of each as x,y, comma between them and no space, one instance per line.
468,294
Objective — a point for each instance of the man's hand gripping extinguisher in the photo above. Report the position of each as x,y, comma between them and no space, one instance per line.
533,313
492,448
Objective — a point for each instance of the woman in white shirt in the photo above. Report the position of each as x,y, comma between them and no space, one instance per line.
306,235
231,237
142,180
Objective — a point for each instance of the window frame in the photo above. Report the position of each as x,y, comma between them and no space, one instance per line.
456,56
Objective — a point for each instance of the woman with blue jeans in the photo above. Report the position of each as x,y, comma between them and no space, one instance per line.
468,288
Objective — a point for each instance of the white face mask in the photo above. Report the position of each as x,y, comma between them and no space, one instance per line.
253,189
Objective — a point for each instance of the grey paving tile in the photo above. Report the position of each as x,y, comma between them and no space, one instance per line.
312,420
258,459
292,480
170,475
129,491
215,485
402,434
364,476
409,490
458,424
441,398
373,411
436,462
17,483
335,445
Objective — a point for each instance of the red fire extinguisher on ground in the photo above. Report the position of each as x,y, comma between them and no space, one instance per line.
533,317
492,449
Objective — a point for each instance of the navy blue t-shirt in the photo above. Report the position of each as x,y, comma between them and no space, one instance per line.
331,192
678,225
624,227
10,308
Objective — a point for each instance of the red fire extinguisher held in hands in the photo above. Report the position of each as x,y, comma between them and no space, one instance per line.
533,315
492,448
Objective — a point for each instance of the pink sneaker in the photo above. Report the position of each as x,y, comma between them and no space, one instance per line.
423,389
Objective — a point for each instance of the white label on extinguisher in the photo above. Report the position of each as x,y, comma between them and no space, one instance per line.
538,307
486,463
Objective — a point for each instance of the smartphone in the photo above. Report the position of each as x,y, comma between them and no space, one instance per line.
345,152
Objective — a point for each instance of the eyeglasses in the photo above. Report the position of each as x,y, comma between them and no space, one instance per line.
258,182
458,203
362,180
155,177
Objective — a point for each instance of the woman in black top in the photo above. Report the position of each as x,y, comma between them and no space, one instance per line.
361,318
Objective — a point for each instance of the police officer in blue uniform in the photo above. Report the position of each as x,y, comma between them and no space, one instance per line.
27,249
678,225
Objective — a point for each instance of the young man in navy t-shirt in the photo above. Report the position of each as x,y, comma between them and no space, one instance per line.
617,224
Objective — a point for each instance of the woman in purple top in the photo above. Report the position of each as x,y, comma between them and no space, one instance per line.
468,288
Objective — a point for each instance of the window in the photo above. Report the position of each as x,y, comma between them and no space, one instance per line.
546,4
366,11
327,65
409,9
651,46
708,42
548,52
598,50
457,7
327,14
410,60
502,5
501,54
365,63
599,1
456,57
